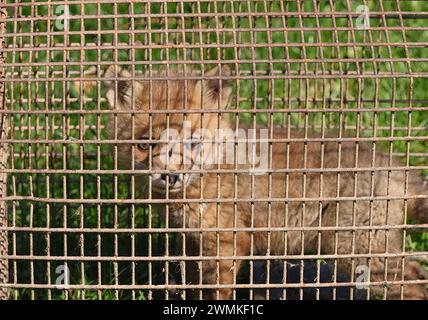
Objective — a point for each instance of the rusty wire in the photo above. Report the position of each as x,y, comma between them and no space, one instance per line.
308,66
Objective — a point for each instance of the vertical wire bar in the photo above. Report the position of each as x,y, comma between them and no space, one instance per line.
12,164
98,216
116,178
118,75
218,176
201,176
20,161
373,148
409,134
37,160
4,155
30,178
181,244
351,38
271,101
133,94
235,153
342,120
182,236
221,57
304,67
320,56
392,119
82,123
251,23
66,135
169,106
375,134
50,40
286,121
180,25
368,35
150,207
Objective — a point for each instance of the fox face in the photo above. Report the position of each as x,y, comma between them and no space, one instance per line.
163,118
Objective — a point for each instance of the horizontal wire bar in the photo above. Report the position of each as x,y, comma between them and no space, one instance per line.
208,200
127,46
146,2
208,286
210,30
229,14
311,100
214,170
302,75
223,61
217,258
150,111
156,230
249,140
25,155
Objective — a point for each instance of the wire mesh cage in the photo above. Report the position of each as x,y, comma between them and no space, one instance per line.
338,211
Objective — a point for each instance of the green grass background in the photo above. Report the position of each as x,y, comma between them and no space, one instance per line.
305,93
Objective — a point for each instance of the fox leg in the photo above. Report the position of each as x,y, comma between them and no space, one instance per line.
222,271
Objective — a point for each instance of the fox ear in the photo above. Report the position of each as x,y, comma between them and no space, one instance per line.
120,91
218,90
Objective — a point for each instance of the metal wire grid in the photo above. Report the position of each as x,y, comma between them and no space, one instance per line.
3,165
302,65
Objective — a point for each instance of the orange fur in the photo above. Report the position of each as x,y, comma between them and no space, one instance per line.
357,210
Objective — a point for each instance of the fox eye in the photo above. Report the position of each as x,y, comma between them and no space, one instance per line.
193,144
144,145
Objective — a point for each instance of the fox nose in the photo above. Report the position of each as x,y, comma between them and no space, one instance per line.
172,178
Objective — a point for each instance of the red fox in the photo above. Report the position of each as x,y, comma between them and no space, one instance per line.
339,200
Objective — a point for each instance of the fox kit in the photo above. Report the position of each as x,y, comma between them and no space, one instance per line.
345,216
